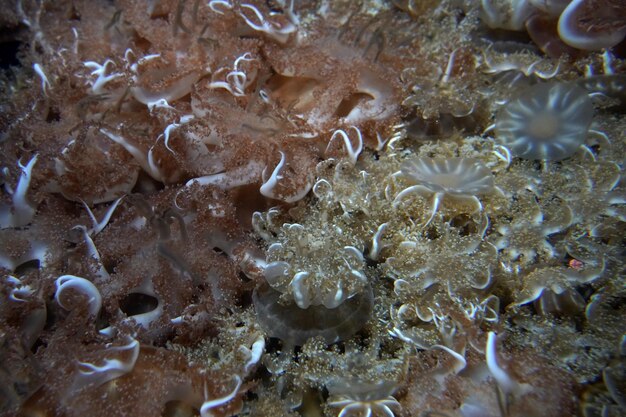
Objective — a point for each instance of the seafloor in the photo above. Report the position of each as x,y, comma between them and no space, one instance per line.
312,208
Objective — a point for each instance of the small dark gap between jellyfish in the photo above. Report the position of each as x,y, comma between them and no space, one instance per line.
531,307
339,347
242,276
506,298
273,345
245,299
538,165
464,224
250,396
9,53
586,291
220,252
261,374
103,320
138,303
619,50
38,343
580,321
110,264
432,233
555,238
201,287
54,115
39,51
28,266
51,317
297,351
369,262
595,149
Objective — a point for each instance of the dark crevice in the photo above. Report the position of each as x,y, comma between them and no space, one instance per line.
9,54
25,267
138,303
54,115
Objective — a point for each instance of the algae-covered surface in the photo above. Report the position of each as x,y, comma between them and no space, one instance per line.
312,208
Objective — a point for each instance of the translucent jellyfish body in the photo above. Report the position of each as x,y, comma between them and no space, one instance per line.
458,180
315,268
546,122
295,325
